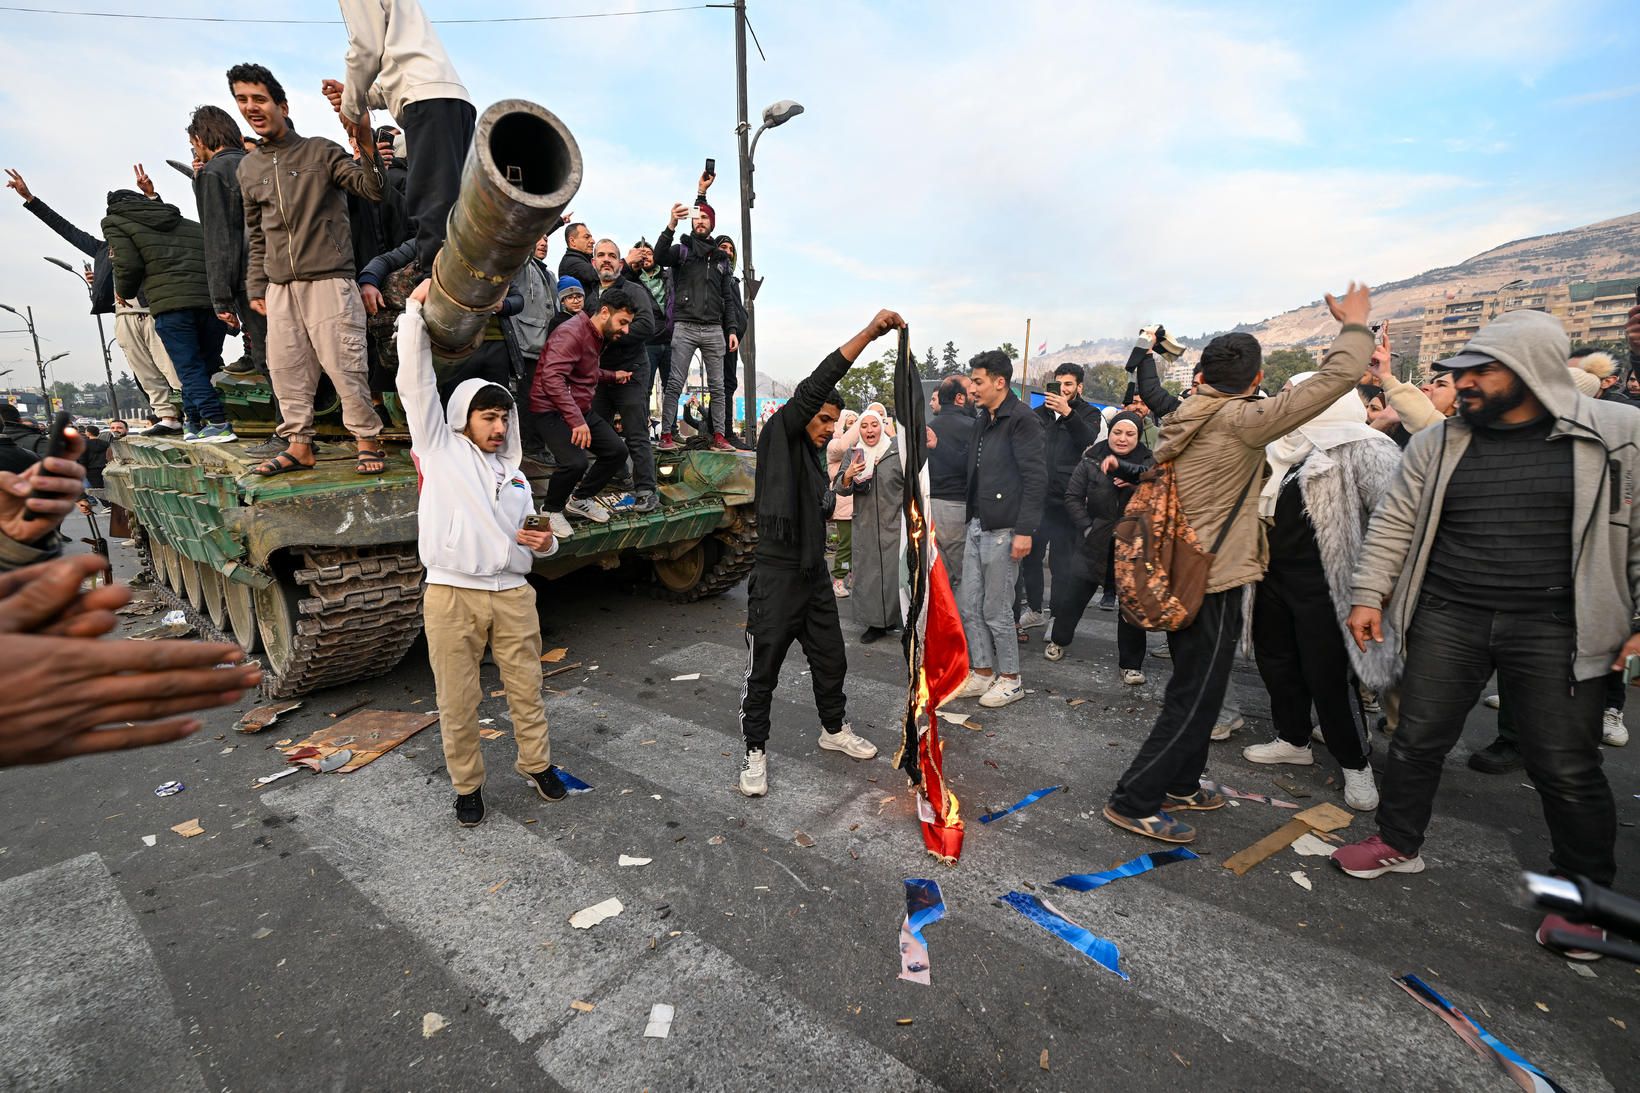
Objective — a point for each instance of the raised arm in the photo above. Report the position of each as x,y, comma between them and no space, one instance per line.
367,179
1264,420
1160,400
366,42
811,393
417,384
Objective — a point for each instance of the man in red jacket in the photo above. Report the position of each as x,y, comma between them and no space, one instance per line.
561,397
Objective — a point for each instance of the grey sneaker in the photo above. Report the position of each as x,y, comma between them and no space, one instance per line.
559,524
646,501
269,447
220,433
587,508
240,367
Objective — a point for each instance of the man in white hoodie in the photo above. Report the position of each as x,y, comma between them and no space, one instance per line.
396,62
473,540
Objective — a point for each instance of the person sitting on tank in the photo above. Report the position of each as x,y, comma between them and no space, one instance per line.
561,397
476,538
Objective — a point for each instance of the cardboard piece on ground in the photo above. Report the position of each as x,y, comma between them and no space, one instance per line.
588,917
582,1007
553,656
492,734
660,1021
560,670
189,828
370,734
1325,817
260,718
1243,860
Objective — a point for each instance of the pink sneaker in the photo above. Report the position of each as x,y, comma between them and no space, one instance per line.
1578,929
1373,857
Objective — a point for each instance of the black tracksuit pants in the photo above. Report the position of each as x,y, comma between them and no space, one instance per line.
573,474
436,135
631,401
1301,657
783,606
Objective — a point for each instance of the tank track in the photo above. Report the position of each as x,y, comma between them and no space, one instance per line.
360,614
733,564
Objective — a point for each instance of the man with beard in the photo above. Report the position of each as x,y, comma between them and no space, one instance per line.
1506,545
953,426
1070,425
628,400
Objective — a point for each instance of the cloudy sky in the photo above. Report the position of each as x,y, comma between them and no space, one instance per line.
1092,166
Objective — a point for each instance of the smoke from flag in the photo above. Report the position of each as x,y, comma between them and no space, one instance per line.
936,651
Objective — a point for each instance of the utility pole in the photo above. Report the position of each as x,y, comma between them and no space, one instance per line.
748,342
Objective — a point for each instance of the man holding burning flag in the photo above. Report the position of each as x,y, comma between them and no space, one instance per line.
790,596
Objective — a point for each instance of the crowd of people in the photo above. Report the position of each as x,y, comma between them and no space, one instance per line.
1368,543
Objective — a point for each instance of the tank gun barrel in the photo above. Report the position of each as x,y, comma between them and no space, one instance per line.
521,172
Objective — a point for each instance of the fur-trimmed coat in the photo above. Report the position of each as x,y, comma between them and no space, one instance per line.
1340,489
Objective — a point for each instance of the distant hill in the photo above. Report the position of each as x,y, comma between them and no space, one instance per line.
1608,249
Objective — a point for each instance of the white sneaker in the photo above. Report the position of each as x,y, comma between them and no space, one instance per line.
1030,620
1133,677
1223,729
588,508
1613,733
1360,791
754,776
844,740
1162,652
1317,735
1278,751
1002,692
1053,651
839,588
559,524
974,686
1492,702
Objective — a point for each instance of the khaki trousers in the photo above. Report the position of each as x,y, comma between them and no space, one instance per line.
459,623
314,325
156,375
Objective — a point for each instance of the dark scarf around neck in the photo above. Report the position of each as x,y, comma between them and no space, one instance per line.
788,509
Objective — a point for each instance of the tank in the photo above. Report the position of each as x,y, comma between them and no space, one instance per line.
318,571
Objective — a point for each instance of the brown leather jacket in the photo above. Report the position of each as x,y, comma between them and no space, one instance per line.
295,196
1216,444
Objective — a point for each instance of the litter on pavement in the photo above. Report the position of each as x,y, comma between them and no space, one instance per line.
432,1023
627,859
168,789
150,840
1028,799
368,734
553,656
588,917
1144,863
923,905
276,775
1484,1044
1301,878
1310,846
1241,795
1322,817
660,1021
1046,915
687,678
174,625
572,784
263,716
189,828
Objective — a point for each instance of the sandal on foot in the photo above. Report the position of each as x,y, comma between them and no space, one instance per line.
371,461
283,463
1161,826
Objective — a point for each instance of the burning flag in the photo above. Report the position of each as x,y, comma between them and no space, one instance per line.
936,652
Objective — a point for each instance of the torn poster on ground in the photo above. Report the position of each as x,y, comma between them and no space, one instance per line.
923,905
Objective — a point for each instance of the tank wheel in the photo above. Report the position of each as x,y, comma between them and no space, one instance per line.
173,568
240,601
192,585
679,575
338,614
718,563
210,583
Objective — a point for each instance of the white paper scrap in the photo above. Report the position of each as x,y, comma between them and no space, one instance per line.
660,1021
589,917
690,678
1310,846
1300,879
627,859
150,840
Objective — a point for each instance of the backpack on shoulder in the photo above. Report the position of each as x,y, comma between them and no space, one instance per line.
1161,568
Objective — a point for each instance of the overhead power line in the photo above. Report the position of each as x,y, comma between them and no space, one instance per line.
338,22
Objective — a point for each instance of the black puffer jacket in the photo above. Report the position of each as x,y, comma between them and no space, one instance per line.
702,281
157,250
1095,501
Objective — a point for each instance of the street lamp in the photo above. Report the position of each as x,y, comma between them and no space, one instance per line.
40,364
102,337
774,115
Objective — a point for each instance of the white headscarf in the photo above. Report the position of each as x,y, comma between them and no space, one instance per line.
1344,422
874,452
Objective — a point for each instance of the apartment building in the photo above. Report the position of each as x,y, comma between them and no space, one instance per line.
1592,311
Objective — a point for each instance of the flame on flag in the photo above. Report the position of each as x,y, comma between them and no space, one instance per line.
936,651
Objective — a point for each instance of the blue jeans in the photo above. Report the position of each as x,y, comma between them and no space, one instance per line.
1452,650
987,599
193,339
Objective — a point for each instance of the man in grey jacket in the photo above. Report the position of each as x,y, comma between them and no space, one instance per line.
1506,545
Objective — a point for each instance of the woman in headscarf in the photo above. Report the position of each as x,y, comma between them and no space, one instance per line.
1325,479
845,435
872,475
884,416
1095,499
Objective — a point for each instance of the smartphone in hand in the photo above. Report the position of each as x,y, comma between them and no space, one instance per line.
62,435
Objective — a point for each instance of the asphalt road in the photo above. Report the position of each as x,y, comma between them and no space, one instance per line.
301,942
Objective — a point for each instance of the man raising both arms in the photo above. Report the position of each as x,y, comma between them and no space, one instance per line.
790,596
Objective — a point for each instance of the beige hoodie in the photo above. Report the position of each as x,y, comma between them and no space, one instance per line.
394,57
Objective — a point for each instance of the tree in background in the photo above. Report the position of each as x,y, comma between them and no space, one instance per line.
949,365
1105,383
1281,365
930,366
873,382
1008,348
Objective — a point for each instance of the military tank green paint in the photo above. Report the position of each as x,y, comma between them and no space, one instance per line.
318,571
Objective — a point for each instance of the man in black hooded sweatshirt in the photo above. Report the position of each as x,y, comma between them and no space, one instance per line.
789,597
